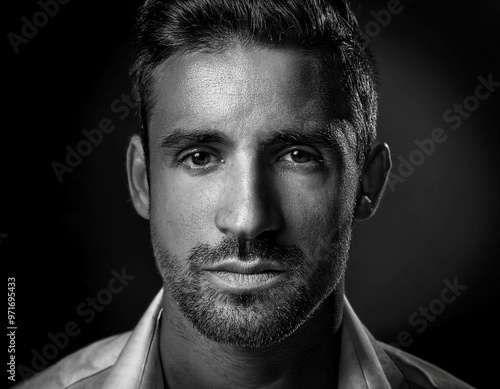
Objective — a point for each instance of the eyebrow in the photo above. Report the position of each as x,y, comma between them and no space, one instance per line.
300,136
180,138
321,136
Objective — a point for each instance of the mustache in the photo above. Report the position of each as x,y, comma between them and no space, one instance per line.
246,250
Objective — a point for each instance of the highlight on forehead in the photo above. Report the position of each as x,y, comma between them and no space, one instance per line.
238,70
305,65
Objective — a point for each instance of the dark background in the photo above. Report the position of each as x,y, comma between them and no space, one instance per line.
62,240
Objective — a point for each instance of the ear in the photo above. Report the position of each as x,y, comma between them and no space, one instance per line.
137,177
373,180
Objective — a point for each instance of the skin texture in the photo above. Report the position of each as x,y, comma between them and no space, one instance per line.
248,163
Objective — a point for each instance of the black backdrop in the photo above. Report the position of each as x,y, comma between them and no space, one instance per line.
63,240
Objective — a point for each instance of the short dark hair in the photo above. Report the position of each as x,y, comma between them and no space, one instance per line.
325,27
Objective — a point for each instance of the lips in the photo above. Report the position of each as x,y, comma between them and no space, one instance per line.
241,267
239,275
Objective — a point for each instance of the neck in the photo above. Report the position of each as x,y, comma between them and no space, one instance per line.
307,358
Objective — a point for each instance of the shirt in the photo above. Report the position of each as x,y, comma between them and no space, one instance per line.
132,361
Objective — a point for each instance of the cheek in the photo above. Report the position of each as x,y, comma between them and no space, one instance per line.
181,213
310,207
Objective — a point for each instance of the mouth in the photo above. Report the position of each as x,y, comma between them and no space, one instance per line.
246,276
240,267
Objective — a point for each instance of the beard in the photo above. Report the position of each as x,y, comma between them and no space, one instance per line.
260,318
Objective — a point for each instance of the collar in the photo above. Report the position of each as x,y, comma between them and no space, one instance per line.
359,366
139,364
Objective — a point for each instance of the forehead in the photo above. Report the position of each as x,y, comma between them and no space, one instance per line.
250,90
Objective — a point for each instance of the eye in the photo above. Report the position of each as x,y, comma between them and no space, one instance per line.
200,160
301,156
301,159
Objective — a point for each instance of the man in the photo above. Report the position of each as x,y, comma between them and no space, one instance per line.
255,159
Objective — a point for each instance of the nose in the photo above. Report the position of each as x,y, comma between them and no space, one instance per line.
248,206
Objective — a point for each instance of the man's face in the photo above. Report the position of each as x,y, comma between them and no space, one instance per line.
252,188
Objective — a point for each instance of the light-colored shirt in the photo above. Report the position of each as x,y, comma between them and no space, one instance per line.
132,361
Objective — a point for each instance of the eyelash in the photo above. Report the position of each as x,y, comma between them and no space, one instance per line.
318,161
316,164
183,160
